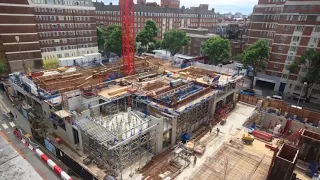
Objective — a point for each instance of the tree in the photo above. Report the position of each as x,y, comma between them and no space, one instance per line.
310,61
113,40
256,56
237,57
50,63
174,40
148,34
3,67
101,36
158,44
217,49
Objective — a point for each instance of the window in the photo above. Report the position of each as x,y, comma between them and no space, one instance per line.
290,58
295,38
306,7
274,74
52,18
280,48
276,66
278,56
291,8
293,48
54,26
318,18
302,18
283,38
317,29
314,40
286,27
289,17
299,28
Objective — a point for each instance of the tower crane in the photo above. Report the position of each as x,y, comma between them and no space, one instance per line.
127,28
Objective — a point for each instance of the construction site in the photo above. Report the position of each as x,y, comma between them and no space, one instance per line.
153,123
143,117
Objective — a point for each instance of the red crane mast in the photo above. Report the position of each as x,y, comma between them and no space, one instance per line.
127,27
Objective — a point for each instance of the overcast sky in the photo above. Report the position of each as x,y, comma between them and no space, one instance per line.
222,6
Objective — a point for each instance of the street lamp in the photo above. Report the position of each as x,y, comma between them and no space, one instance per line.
305,83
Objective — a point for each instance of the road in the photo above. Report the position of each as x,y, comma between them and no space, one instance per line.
6,126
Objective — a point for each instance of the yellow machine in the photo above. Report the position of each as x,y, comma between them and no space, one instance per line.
247,138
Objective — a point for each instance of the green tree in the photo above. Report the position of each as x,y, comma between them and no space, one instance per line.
310,62
113,41
174,40
256,56
148,34
101,38
237,57
158,44
217,49
3,67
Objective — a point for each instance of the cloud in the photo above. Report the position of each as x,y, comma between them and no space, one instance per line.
222,6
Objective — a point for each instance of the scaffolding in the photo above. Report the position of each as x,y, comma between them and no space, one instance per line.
117,141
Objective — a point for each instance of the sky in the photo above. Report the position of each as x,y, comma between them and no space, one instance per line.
221,6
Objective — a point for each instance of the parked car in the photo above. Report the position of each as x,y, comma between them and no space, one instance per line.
227,62
276,97
296,98
249,92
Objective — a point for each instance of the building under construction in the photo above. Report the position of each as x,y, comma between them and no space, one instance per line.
117,120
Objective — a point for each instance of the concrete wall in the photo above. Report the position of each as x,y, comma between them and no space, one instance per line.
74,99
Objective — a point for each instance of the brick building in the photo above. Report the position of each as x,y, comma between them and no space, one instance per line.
32,31
170,3
236,32
197,37
18,33
66,28
165,18
291,27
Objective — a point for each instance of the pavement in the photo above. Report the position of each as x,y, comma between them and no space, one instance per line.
13,164
6,127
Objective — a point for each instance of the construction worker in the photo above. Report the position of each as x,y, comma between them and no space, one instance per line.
210,127
218,130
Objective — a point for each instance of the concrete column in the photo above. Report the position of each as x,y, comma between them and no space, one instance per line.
159,136
69,132
174,131
80,138
212,107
